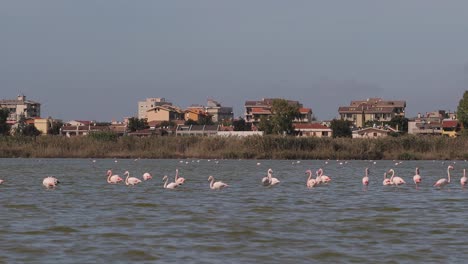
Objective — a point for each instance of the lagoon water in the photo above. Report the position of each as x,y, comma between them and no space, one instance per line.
87,220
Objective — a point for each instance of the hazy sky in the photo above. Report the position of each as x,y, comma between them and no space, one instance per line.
95,60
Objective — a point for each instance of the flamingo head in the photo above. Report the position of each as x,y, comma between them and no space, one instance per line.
308,171
210,178
164,178
450,167
270,171
109,172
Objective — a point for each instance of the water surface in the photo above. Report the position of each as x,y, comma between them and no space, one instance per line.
87,220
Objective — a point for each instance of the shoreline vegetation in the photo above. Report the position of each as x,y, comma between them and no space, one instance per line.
408,147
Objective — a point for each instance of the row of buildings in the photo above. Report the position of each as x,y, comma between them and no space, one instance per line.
363,114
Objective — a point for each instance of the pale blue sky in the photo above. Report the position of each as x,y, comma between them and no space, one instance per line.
96,59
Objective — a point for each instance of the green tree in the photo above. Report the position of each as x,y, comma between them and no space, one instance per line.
54,128
135,124
24,129
341,128
400,123
462,111
205,120
4,126
282,116
265,125
190,122
241,125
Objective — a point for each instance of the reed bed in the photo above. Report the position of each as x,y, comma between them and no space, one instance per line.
255,147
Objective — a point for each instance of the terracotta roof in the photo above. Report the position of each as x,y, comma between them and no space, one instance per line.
305,110
310,126
370,129
449,123
260,110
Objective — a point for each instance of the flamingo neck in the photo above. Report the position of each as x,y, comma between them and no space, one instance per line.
165,183
176,174
310,175
109,174
448,174
393,174
367,172
212,183
126,179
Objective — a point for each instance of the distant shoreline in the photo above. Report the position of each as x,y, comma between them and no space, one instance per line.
255,147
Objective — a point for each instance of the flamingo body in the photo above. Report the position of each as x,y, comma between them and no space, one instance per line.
310,183
147,176
365,179
113,179
50,182
442,182
323,178
395,179
463,179
171,185
216,185
386,180
131,180
269,180
179,180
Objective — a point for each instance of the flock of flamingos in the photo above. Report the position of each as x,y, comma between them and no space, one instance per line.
268,180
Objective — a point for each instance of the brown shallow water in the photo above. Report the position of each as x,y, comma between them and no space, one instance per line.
86,220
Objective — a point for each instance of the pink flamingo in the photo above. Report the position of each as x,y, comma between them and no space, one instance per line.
463,179
147,176
270,180
50,182
171,185
1,181
365,179
395,179
442,182
386,180
131,180
113,179
178,180
216,185
323,178
417,178
310,182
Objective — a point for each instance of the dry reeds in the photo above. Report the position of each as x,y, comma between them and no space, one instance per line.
254,147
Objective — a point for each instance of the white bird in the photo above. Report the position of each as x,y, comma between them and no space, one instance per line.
417,178
113,179
323,178
310,182
386,180
463,179
365,179
269,180
1,181
395,179
216,185
442,182
147,176
50,182
131,180
179,180
171,185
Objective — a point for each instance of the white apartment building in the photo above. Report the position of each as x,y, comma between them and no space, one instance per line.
21,107
150,103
